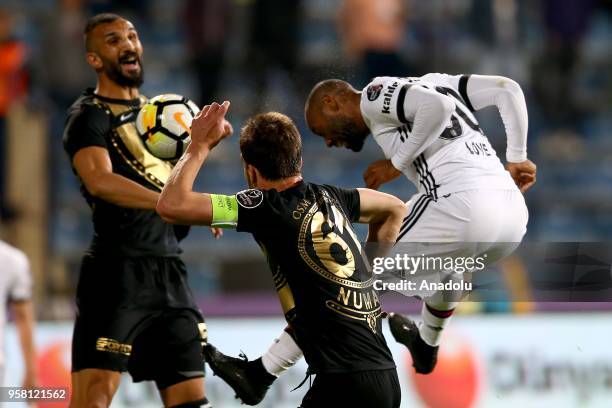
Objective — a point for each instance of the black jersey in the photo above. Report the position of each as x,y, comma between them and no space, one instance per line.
94,120
322,279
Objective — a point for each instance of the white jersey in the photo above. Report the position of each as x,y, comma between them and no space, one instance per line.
425,126
15,284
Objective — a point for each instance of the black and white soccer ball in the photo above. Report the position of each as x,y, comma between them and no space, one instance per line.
164,124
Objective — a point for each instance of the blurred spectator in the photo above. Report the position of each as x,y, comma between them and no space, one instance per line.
63,72
63,69
274,43
372,33
207,25
567,22
13,87
16,291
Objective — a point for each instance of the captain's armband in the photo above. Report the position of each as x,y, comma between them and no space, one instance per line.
224,211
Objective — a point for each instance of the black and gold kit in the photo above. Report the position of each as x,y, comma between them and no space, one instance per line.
132,297
326,290
322,279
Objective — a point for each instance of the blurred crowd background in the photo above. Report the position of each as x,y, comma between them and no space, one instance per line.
265,55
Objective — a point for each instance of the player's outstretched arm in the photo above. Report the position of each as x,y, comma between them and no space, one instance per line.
178,203
505,94
383,212
94,167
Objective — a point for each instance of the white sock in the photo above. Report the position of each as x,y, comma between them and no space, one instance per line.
282,355
432,325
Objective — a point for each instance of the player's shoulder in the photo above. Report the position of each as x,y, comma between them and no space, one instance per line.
13,258
442,79
377,87
376,96
88,107
252,198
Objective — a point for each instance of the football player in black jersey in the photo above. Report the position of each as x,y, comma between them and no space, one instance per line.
132,296
305,230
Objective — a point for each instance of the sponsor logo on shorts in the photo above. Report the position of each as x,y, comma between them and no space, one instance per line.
373,92
113,346
249,198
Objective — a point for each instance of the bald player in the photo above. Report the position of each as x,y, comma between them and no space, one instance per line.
466,202
135,310
427,131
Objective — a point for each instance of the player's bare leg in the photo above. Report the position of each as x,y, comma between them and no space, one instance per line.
94,388
186,394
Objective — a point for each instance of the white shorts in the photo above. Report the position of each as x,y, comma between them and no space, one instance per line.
474,223
474,216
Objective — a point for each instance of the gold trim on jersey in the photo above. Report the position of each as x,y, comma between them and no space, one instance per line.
285,295
127,142
322,242
370,317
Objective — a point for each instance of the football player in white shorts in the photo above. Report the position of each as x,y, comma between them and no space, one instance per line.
466,202
16,293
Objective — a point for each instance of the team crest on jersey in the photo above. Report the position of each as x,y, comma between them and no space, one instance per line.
373,92
249,198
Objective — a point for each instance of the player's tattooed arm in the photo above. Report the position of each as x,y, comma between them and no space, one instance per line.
383,212
178,203
94,167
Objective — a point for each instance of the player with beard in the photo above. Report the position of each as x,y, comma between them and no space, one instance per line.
466,205
132,296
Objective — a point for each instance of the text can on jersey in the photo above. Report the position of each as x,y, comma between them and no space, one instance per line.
164,124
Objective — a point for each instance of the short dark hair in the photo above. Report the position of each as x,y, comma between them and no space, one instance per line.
271,142
93,22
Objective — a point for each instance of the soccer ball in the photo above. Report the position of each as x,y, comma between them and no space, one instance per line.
164,124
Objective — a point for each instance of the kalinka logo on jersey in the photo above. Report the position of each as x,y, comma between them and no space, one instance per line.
373,92
387,100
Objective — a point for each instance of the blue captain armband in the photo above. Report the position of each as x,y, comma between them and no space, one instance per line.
224,211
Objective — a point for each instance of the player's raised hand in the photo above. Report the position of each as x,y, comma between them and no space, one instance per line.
380,172
523,173
209,126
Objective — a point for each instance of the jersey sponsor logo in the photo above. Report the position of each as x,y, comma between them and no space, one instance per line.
373,92
387,97
249,198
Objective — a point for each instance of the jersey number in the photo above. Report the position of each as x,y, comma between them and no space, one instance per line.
329,244
455,130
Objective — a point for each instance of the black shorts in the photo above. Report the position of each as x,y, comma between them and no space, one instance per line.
363,389
138,315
